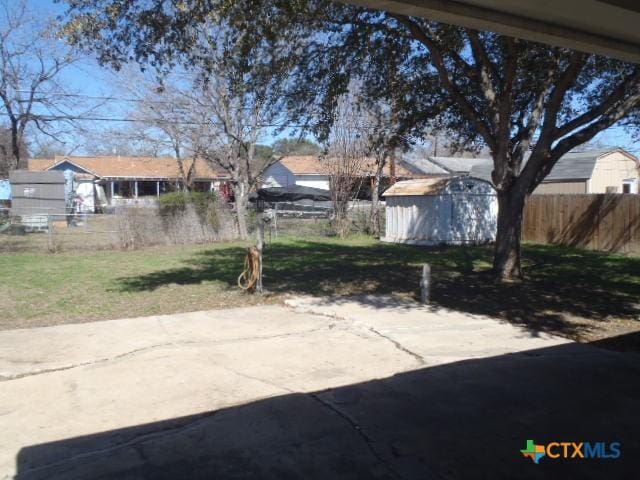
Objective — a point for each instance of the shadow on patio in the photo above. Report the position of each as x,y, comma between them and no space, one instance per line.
467,419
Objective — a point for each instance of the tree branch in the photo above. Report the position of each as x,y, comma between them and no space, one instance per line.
472,115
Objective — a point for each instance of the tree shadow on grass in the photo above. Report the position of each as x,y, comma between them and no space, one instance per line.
560,281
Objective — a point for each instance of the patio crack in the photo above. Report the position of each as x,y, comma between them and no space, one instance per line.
398,345
359,431
17,376
179,343
134,442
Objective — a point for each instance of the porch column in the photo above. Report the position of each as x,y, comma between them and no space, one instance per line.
157,189
135,189
211,189
113,189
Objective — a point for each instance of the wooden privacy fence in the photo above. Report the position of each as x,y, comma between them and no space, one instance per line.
606,222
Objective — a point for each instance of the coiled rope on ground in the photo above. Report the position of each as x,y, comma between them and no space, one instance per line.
248,279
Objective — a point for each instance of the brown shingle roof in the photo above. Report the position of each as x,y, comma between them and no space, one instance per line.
313,165
132,167
39,164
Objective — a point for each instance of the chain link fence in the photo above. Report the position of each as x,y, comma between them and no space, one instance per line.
313,219
125,228
138,226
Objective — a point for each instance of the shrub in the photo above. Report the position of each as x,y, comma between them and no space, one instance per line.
176,204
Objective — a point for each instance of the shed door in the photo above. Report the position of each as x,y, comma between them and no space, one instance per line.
473,218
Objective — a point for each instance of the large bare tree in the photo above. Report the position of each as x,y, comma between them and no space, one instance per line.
32,58
345,160
167,117
232,121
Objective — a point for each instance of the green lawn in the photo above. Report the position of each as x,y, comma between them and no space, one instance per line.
577,293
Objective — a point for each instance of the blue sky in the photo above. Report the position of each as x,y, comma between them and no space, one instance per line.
90,79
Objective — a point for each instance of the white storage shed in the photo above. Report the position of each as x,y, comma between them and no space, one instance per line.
433,211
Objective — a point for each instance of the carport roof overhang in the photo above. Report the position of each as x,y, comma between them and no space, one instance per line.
605,27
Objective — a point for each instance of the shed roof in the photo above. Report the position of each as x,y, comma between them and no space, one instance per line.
131,167
424,186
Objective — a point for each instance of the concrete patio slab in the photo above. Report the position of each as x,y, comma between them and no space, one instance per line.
320,388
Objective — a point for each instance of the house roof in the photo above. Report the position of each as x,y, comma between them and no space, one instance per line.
313,165
426,167
482,170
130,167
457,164
574,166
571,167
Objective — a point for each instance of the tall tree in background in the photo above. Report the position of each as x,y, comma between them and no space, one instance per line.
232,122
295,146
345,160
383,138
31,93
487,89
167,120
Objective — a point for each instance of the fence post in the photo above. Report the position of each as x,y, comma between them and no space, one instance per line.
49,232
425,283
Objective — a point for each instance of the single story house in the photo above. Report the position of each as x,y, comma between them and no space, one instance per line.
441,210
310,171
124,178
592,171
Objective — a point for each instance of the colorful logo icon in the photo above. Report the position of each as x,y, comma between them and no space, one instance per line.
533,451
571,450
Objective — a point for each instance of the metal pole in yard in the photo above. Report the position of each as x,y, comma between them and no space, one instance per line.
260,247
275,219
425,283
49,232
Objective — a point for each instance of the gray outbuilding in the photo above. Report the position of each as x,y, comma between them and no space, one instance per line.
432,211
37,193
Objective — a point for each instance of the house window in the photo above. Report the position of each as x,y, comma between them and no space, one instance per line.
630,186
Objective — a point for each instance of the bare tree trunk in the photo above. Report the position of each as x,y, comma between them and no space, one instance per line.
15,147
241,194
375,204
506,261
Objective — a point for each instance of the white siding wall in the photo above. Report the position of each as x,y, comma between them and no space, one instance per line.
314,181
278,176
611,171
